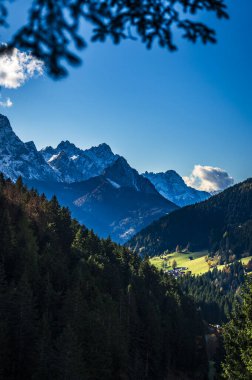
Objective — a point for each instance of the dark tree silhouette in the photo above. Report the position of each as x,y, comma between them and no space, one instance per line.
76,307
54,30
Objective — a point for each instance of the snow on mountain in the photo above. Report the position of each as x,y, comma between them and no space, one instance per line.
66,168
68,163
102,190
75,164
116,185
172,186
65,163
124,175
21,159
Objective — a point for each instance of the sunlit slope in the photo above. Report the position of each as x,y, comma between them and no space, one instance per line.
195,262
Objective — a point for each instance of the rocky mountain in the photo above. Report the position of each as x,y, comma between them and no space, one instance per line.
100,187
222,224
21,159
108,207
67,163
172,186
74,164
120,174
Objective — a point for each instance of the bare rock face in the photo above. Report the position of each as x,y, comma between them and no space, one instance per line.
21,159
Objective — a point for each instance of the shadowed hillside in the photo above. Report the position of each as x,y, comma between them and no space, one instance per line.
77,307
222,223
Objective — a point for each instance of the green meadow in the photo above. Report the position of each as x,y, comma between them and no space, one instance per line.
194,261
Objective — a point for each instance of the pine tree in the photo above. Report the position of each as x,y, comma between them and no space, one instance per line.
75,307
238,339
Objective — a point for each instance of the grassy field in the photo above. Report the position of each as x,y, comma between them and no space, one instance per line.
197,266
245,260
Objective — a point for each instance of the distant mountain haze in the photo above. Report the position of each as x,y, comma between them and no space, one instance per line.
110,210
173,187
101,189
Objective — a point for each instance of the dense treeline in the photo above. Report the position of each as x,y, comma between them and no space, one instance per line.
215,291
220,224
76,307
238,338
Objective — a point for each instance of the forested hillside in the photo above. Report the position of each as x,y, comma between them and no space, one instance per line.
221,224
215,291
238,338
77,307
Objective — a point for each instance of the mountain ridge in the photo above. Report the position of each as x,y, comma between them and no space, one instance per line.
172,186
84,163
21,159
108,195
222,223
109,210
68,163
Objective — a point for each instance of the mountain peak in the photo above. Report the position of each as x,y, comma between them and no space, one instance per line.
8,138
84,164
121,169
5,124
169,172
21,159
4,118
172,172
172,186
101,151
122,173
66,145
104,146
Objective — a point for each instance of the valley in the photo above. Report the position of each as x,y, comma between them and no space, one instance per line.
185,258
125,190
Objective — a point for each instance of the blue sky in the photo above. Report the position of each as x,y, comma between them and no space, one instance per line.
159,110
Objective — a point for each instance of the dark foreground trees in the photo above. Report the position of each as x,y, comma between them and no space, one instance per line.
75,307
54,30
238,338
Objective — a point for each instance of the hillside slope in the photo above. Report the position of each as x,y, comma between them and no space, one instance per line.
77,307
222,223
107,207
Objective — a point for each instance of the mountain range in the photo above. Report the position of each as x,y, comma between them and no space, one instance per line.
222,225
101,189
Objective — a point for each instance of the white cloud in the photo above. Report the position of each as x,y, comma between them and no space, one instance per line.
209,178
17,67
6,103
